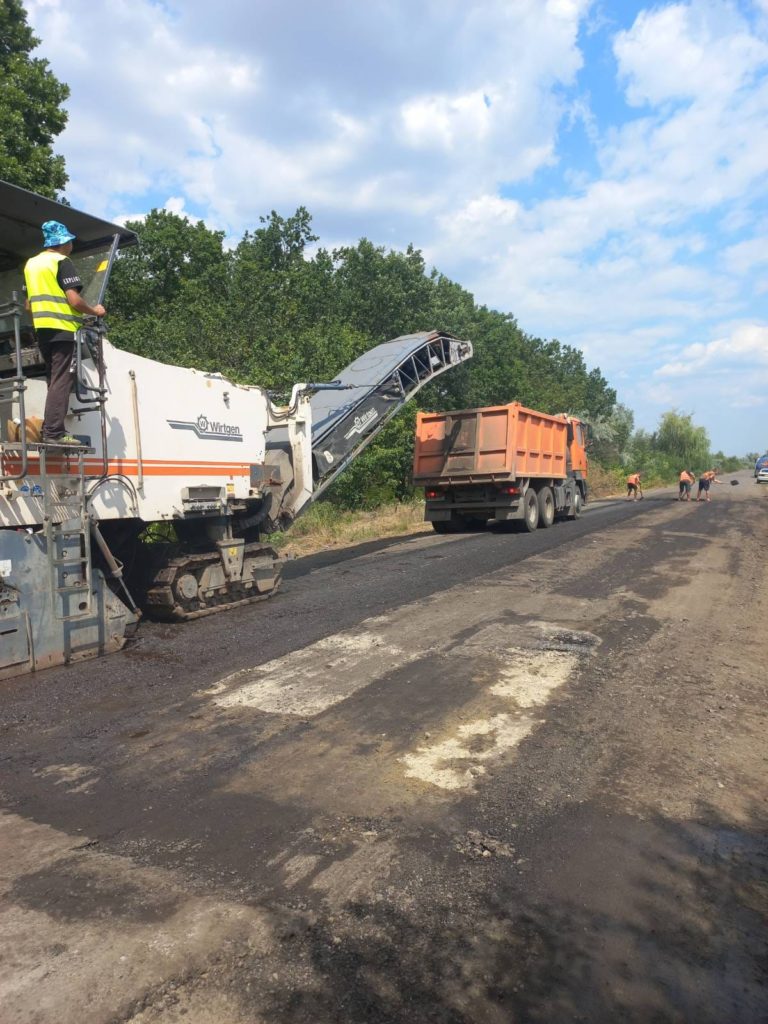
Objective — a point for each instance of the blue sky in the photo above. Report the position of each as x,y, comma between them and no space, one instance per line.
596,168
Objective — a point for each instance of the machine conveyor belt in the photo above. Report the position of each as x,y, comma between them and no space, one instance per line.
371,390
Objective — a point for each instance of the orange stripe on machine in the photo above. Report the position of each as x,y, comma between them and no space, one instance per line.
130,467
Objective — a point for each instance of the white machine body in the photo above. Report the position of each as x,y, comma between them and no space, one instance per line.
185,440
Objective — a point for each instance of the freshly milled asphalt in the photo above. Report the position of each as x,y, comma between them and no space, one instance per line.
322,594
558,889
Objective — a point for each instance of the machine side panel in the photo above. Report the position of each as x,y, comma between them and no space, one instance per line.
41,633
186,429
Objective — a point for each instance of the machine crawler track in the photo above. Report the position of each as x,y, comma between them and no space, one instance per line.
170,597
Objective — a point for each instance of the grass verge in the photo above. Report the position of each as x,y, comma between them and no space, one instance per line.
325,527
610,483
606,483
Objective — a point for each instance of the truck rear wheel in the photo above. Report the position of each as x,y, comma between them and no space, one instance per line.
530,511
546,503
576,505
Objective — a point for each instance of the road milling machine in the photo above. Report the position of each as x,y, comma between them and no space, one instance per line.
221,462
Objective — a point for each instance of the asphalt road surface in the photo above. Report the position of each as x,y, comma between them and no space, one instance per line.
479,778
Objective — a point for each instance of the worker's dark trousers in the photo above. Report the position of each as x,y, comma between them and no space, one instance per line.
58,360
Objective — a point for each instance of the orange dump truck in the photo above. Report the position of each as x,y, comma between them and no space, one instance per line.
502,463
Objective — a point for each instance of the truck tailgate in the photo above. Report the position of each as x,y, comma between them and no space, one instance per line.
498,442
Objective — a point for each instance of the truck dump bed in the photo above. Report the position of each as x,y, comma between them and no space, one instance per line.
498,443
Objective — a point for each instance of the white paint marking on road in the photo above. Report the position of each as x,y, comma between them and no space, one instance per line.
313,679
307,682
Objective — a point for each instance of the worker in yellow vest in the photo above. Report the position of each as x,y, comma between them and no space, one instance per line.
53,296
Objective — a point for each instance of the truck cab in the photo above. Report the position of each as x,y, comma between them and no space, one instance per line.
578,441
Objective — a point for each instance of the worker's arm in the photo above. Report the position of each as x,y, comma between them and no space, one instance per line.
81,306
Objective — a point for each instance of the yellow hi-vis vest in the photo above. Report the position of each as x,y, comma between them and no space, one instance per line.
47,299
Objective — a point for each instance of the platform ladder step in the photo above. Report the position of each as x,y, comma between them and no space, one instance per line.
68,543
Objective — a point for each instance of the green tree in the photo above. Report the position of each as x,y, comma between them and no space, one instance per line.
677,444
172,251
611,436
167,296
281,241
385,294
279,301
31,112
729,463
682,441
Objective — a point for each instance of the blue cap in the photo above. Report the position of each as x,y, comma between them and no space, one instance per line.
54,233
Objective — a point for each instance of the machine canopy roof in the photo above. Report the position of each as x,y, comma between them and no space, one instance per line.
23,213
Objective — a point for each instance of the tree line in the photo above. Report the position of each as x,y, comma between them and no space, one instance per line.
275,309
677,444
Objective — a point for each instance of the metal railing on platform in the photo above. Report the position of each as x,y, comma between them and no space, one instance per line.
13,388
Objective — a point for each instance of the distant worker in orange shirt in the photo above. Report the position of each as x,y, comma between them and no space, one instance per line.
633,486
686,480
710,477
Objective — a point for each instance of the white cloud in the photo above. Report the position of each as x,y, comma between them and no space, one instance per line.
141,103
744,256
321,107
746,344
626,248
446,121
123,218
687,51
175,204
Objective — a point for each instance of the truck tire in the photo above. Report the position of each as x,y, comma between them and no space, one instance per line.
576,505
530,518
546,503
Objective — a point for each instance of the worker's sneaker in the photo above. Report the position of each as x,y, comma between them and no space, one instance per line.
65,441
